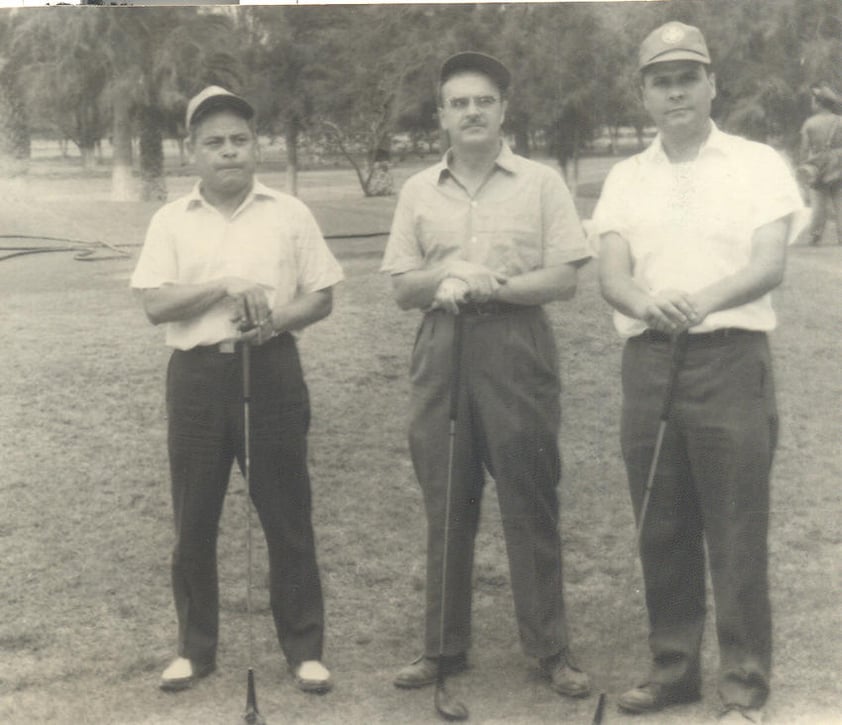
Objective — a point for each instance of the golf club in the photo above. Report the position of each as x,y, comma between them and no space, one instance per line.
446,706
679,351
252,715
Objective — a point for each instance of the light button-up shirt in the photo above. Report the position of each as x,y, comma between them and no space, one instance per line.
272,239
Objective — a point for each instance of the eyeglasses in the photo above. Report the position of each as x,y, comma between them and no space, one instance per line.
461,103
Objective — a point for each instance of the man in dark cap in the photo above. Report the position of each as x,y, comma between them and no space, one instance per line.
236,264
486,237
693,236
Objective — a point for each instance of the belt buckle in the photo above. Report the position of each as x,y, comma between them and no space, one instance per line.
227,347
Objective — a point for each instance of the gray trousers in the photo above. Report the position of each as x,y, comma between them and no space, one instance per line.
712,486
508,423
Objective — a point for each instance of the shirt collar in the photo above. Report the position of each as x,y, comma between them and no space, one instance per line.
258,190
717,142
506,161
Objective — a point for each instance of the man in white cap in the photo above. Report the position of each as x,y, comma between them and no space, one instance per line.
487,238
693,236
231,264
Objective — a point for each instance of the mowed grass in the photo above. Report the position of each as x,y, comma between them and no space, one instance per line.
86,617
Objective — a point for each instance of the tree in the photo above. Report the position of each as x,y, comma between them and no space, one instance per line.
284,53
369,82
60,57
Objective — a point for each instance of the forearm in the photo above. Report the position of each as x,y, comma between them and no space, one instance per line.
539,286
762,274
303,311
417,288
173,302
625,295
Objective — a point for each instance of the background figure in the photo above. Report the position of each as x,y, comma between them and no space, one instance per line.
820,131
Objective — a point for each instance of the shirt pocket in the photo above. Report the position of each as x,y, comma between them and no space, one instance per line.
513,240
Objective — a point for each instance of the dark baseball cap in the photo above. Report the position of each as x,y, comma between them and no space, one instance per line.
472,61
673,41
214,98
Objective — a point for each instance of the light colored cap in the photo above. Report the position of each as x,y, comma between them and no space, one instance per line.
673,41
215,97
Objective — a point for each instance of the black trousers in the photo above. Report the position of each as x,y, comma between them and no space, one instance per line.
205,436
711,487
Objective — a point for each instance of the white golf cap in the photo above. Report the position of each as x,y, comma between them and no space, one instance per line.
215,97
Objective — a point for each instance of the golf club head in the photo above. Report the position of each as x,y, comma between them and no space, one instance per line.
252,716
446,706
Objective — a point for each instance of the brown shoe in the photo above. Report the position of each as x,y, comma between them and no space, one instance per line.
654,696
423,671
565,678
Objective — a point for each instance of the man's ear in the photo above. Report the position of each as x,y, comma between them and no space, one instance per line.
712,81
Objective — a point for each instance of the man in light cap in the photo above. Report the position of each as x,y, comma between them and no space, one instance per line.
480,242
236,264
693,235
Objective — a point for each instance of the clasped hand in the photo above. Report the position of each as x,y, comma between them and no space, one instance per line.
672,311
466,282
251,314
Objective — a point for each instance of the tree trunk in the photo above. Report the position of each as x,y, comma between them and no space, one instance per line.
291,141
14,131
123,187
88,156
520,131
153,184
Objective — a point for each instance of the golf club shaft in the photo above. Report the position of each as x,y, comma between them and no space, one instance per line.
679,351
246,363
453,414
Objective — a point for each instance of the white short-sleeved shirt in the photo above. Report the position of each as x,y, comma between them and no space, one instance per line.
689,225
272,239
521,219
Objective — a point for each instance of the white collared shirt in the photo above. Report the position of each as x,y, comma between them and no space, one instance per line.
689,225
272,239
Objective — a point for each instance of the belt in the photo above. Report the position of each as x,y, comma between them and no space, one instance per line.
227,347
700,338
491,308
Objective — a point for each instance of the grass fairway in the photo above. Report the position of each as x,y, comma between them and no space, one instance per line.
86,617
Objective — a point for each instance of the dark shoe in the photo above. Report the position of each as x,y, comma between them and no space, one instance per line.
423,671
312,676
654,696
182,673
565,678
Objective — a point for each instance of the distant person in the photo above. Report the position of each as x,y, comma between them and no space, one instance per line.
235,263
693,235
822,131
487,237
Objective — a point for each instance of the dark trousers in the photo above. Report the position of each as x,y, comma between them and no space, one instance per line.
711,486
205,407
508,422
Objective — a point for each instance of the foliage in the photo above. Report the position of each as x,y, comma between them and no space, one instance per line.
349,77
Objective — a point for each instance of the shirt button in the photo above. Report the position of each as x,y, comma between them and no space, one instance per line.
474,203
473,240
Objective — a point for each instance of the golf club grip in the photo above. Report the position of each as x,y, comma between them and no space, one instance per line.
679,352
456,366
